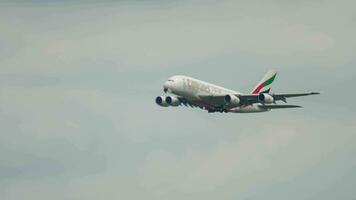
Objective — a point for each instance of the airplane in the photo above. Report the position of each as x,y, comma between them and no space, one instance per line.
188,91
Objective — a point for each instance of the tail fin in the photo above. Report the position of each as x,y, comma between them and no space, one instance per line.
265,84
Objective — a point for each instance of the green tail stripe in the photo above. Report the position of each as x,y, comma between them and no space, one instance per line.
269,81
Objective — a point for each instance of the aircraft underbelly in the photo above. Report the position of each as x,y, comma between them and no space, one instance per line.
248,109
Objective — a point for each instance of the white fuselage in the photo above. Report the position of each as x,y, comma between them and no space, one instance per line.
191,89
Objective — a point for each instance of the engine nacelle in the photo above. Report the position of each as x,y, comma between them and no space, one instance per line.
161,101
232,100
265,98
172,101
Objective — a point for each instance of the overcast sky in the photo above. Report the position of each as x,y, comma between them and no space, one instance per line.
78,119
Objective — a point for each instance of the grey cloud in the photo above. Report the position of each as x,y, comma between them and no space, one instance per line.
78,82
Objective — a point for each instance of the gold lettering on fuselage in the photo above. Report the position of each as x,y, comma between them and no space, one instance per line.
199,87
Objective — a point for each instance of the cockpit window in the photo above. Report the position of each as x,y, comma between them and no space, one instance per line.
171,80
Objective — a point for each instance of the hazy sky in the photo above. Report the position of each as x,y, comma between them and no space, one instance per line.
78,119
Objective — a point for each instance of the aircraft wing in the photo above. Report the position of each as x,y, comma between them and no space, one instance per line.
216,100
253,98
250,98
283,97
201,105
274,106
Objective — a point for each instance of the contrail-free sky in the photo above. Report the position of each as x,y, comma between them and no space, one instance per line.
78,118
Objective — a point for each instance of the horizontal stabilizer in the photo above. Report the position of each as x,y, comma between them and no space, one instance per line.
279,106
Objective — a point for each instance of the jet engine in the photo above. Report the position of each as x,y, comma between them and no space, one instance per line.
265,98
161,101
232,100
172,101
